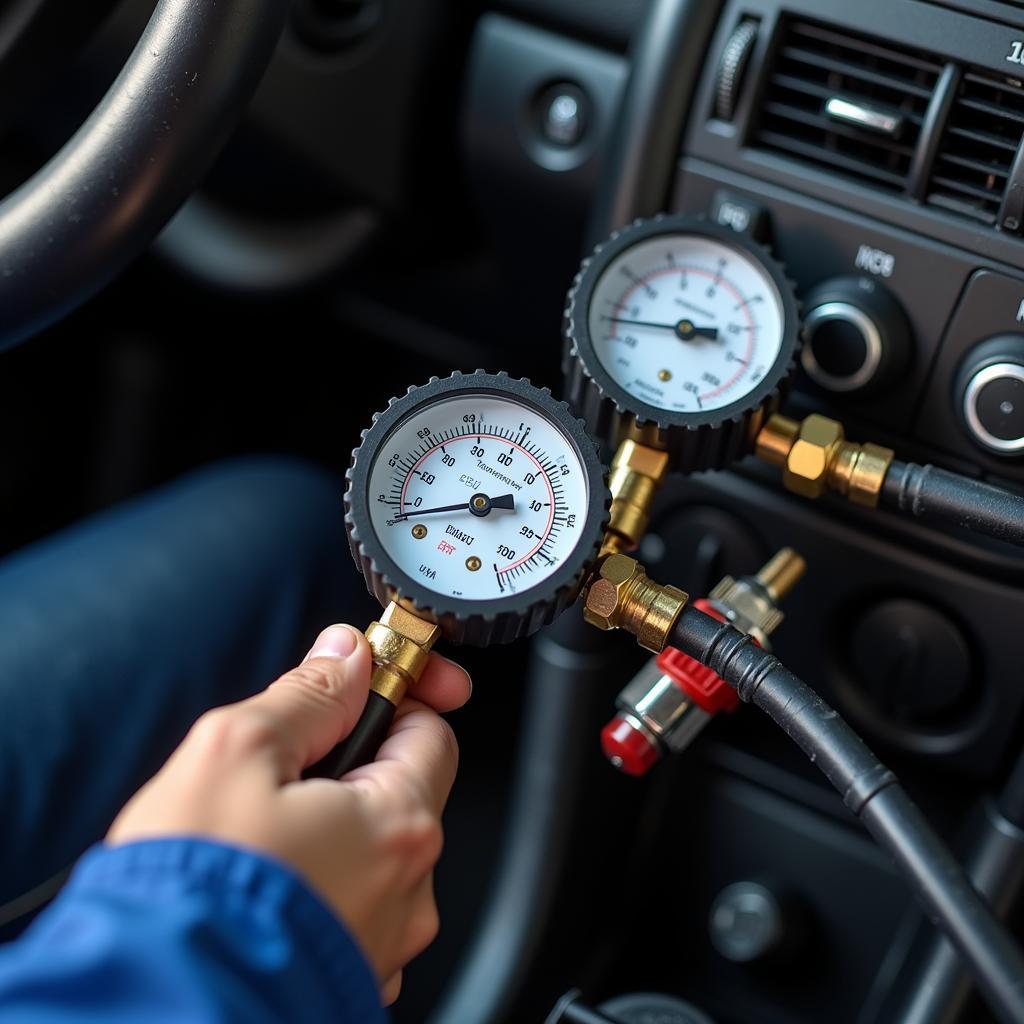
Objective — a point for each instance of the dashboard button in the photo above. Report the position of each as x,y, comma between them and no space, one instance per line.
563,120
991,384
732,210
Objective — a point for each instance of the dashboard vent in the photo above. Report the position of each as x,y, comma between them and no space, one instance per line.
978,147
850,103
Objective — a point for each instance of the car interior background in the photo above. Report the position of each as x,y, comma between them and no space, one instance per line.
410,192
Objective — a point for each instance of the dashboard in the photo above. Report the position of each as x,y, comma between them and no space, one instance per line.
412,191
876,149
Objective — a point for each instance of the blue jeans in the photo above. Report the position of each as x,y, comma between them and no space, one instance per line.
116,634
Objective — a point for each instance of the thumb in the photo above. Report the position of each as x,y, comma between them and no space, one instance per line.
309,709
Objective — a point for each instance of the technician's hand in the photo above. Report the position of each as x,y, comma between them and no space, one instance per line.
367,843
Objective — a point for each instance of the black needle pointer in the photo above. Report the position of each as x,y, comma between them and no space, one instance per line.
683,329
479,505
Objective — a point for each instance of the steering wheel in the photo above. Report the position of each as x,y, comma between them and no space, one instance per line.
100,201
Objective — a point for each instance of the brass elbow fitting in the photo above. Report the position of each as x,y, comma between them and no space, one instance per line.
815,457
636,474
401,644
620,596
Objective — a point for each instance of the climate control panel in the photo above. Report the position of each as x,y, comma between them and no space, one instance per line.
904,338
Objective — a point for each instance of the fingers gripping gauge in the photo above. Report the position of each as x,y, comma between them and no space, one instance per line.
478,502
680,334
475,508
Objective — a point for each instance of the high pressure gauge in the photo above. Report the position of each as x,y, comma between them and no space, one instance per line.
681,334
478,502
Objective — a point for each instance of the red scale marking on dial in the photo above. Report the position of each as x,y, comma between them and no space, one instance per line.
511,444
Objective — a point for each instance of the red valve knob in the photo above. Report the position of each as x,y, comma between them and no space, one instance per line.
628,747
697,681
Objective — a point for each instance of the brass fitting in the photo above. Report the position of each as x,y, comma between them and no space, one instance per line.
815,457
401,644
636,474
781,573
751,603
620,596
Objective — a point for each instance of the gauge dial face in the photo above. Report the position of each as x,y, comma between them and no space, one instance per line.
478,497
686,323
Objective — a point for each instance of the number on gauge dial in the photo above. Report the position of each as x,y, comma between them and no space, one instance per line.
478,497
685,322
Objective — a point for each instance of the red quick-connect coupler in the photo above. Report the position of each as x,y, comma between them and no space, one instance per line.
664,707
673,697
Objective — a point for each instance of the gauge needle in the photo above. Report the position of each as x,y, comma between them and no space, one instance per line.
685,330
479,505
639,323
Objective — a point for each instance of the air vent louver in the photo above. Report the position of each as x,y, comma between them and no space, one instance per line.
978,147
814,65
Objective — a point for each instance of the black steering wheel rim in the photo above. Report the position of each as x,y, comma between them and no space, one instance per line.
100,201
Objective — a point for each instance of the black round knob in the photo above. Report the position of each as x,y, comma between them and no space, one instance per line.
747,922
856,336
899,642
990,391
732,68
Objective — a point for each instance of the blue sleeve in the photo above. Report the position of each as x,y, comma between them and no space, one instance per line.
185,930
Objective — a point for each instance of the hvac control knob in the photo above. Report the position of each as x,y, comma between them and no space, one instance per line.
991,394
856,336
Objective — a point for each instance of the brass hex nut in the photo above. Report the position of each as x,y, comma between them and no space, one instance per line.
607,594
400,643
868,474
810,458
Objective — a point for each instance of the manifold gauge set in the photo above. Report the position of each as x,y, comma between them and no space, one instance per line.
479,501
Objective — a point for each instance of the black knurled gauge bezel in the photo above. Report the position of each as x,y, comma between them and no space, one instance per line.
476,623
694,440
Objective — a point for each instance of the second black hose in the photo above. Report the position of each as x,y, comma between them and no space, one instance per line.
929,493
873,794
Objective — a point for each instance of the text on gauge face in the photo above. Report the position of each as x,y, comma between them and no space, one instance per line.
478,496
685,322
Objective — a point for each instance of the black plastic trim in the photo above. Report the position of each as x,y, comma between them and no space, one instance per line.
932,131
666,58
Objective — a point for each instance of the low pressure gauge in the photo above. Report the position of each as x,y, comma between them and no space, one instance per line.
479,502
680,333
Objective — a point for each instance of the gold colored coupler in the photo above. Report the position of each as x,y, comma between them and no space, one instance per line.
401,644
636,475
620,596
815,457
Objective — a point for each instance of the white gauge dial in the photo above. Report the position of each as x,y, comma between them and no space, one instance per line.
478,497
686,323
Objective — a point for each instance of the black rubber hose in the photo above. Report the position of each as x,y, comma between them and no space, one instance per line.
926,492
935,987
361,745
874,795
102,199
